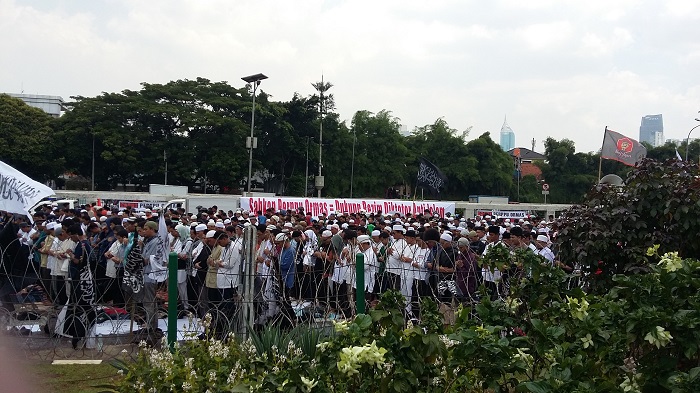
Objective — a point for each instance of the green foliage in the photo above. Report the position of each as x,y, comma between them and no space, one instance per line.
27,140
612,229
546,336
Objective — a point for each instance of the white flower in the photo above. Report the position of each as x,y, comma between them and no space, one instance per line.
341,327
449,343
512,304
630,384
671,262
578,309
525,357
308,383
659,337
587,341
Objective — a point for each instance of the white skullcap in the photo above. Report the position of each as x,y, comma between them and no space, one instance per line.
363,239
446,237
326,233
280,237
542,238
376,232
200,228
398,228
210,234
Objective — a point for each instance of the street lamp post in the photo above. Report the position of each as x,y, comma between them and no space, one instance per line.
352,166
306,183
687,140
251,143
93,161
321,87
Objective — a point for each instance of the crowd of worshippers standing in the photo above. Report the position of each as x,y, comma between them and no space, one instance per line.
301,260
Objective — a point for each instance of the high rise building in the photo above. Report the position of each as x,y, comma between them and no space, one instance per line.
507,136
652,130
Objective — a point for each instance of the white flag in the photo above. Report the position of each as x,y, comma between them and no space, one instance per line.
18,193
163,235
678,156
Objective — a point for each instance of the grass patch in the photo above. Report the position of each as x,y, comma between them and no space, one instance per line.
74,378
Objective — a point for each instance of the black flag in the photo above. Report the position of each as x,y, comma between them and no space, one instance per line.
429,177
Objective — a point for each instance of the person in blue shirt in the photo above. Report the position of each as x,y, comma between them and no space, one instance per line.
286,260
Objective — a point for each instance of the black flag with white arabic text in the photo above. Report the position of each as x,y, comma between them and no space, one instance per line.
429,177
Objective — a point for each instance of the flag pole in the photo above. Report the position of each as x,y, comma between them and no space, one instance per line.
600,162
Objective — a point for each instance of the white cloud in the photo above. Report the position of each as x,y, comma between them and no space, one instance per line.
557,68
597,45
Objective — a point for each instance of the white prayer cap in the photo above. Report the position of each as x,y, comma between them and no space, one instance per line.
363,239
446,237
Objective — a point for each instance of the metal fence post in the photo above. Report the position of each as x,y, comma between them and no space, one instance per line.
172,300
250,237
360,283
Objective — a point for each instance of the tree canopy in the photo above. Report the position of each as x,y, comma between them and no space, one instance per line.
197,130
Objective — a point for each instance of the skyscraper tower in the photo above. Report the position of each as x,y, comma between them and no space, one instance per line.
507,136
652,130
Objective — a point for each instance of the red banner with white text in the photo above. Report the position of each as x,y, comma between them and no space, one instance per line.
327,206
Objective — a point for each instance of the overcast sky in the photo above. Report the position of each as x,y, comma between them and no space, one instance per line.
564,69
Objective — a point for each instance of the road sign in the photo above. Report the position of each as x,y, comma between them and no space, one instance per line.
545,187
545,192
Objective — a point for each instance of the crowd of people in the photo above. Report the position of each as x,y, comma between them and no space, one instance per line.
303,263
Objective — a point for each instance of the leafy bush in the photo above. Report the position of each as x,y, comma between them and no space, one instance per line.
546,336
611,230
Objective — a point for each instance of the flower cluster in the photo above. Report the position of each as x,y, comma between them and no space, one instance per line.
659,337
577,308
341,327
671,262
352,358
512,304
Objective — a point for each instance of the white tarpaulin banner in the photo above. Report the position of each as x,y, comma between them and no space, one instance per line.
316,206
510,214
18,193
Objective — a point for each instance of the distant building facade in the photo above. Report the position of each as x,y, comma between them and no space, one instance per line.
53,105
507,137
524,162
651,130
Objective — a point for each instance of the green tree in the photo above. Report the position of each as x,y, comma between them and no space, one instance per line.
379,149
198,125
569,174
494,167
27,139
442,146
